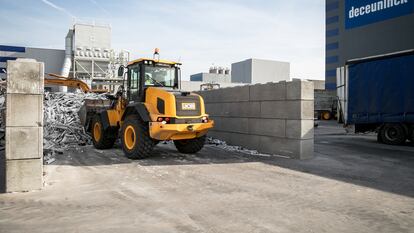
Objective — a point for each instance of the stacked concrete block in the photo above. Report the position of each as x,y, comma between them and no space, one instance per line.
24,125
273,118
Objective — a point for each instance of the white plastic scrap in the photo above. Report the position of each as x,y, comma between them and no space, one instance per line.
223,145
62,128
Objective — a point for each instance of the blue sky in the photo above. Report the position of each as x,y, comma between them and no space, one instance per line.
199,33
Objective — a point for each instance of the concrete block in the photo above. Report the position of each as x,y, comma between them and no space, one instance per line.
218,109
307,112
300,129
217,122
226,95
24,142
307,148
299,90
25,76
234,94
243,109
292,148
234,125
236,109
247,141
24,175
24,110
267,127
299,109
209,96
269,91
273,109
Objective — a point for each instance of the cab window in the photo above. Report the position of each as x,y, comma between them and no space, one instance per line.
134,83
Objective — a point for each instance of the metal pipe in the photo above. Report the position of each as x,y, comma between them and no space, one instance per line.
68,54
68,57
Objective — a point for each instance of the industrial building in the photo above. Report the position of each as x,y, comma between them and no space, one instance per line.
53,58
358,29
87,56
254,71
215,75
90,56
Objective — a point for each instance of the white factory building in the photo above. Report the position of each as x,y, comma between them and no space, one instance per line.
87,56
254,71
250,71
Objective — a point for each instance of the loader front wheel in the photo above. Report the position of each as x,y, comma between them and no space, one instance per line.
190,146
136,142
102,139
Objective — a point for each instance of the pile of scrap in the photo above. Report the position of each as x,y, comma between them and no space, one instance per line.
62,127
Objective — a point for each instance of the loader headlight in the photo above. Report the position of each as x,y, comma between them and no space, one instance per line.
204,119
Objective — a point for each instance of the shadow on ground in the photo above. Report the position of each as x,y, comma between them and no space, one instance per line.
356,159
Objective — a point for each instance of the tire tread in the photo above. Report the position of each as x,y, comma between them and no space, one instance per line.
190,146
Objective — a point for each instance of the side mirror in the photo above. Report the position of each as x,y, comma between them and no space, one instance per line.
121,71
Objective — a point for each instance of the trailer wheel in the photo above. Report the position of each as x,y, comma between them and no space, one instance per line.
102,139
190,146
411,138
392,134
135,138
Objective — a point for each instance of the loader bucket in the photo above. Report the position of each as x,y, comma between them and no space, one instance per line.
90,108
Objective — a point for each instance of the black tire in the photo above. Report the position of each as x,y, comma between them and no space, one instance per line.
411,138
135,138
190,146
392,134
102,139
379,137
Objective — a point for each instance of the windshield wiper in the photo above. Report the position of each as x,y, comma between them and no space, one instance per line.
155,81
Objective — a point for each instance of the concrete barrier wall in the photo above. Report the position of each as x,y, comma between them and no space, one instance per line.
24,125
273,118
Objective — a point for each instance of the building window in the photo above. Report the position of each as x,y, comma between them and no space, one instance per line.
332,6
331,73
333,32
333,19
332,46
332,59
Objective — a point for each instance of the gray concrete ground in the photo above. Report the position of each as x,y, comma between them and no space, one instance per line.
352,185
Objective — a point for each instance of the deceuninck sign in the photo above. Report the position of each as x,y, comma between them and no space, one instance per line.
362,12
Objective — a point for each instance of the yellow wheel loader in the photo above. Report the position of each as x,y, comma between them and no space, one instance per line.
149,108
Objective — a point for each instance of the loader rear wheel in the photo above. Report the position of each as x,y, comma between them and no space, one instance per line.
190,146
136,142
392,134
102,139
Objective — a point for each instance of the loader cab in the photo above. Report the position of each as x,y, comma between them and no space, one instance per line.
144,73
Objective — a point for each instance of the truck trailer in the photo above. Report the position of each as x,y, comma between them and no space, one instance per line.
376,94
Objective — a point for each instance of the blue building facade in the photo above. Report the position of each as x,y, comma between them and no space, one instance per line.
363,28
53,58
